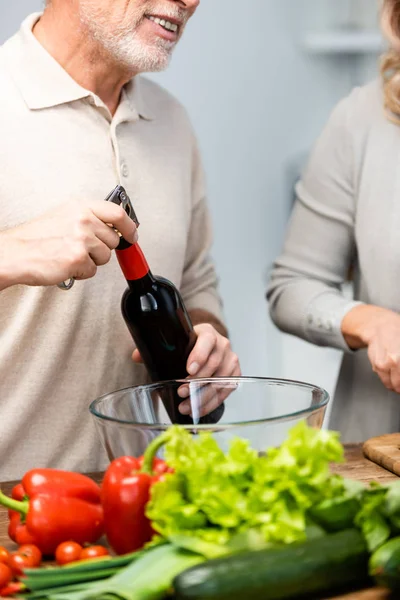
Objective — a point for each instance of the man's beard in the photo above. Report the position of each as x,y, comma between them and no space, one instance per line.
124,46
134,54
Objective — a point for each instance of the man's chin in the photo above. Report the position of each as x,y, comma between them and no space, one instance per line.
150,62
158,67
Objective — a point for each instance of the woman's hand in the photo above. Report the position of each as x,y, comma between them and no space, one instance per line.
377,329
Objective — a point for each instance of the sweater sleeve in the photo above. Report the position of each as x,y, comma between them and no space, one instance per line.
305,288
199,286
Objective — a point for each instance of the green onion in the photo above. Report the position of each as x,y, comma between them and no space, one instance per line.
148,578
50,580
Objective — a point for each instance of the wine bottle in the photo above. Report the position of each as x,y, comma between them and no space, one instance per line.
159,323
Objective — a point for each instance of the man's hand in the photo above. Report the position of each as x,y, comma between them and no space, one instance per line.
377,329
212,356
71,241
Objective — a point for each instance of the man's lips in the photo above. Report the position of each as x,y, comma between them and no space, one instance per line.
174,20
167,27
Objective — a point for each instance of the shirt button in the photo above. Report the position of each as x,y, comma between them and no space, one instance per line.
124,170
310,319
329,325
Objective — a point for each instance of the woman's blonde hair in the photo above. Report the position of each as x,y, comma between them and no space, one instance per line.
390,65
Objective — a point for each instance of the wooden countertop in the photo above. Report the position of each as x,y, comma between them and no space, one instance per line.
356,467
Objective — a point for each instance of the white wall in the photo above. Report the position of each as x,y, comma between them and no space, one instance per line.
257,101
12,13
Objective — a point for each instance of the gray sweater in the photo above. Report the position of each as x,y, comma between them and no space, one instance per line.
347,212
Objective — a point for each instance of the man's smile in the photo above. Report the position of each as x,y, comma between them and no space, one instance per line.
167,27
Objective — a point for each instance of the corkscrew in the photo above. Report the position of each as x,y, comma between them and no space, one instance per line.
118,196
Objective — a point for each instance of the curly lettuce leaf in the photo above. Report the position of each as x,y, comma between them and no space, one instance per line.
216,496
371,518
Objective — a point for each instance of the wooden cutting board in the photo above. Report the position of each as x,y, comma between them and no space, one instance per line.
384,450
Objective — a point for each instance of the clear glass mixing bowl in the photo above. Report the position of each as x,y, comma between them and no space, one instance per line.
261,410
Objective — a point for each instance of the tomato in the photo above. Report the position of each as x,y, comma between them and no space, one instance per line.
32,552
93,552
18,562
28,556
12,588
5,575
67,552
4,555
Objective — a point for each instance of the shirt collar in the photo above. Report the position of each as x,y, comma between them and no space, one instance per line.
43,82
135,94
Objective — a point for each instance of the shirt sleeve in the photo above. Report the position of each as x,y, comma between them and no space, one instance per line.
305,289
199,282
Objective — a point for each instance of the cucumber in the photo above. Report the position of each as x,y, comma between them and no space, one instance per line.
384,564
299,569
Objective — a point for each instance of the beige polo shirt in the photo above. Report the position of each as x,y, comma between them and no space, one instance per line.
60,350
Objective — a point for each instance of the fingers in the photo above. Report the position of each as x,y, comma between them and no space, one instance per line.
212,355
84,269
84,245
71,241
230,367
203,400
227,391
387,366
211,366
136,357
95,239
109,236
205,344
208,405
100,254
106,234
395,374
117,217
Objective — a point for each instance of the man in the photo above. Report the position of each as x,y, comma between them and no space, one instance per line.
76,119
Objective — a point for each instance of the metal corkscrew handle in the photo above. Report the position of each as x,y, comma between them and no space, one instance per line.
66,285
118,196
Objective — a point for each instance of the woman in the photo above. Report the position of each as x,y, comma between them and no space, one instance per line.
348,214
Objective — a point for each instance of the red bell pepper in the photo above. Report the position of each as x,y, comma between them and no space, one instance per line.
52,506
17,530
125,493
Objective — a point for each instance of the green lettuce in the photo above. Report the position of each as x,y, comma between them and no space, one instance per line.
372,518
220,497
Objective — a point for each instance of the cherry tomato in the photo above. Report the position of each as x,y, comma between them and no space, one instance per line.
67,552
5,575
93,552
18,562
32,552
4,555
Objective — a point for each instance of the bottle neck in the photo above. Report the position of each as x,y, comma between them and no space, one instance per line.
133,263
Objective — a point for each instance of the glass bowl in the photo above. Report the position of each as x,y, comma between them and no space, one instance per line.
261,410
